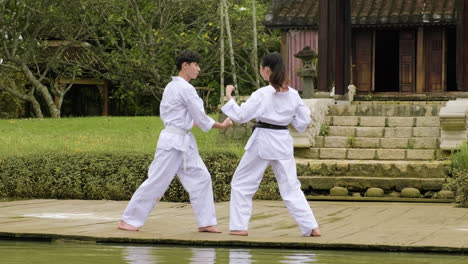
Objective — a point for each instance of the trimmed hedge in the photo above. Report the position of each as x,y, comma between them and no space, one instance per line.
112,176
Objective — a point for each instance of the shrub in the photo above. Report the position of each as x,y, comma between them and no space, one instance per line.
113,176
459,176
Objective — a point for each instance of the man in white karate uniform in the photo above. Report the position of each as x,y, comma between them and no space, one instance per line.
176,153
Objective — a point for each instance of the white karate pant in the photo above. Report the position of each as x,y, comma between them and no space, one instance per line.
195,179
245,184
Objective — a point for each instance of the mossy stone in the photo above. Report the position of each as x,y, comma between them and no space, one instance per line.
445,195
338,191
410,193
374,192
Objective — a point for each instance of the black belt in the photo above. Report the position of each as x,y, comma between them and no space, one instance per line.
269,126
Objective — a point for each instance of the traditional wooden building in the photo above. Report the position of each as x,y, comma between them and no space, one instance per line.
397,46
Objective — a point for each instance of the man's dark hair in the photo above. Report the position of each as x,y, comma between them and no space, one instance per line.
186,56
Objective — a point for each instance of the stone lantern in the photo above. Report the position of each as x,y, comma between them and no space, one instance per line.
308,71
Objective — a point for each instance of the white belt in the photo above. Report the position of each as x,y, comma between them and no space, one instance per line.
185,145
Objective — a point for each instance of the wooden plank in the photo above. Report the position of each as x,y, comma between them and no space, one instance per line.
407,61
363,56
433,59
420,73
284,47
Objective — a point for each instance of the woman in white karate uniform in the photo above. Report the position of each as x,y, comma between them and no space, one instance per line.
274,107
176,153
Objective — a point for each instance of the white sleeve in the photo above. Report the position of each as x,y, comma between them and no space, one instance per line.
195,107
246,112
302,118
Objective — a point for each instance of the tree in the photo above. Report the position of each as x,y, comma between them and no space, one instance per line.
27,31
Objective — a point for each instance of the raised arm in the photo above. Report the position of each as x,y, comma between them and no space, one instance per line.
244,113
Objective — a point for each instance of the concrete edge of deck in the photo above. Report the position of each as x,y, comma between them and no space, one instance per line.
230,243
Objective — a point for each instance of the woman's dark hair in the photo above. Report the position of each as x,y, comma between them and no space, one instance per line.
278,77
186,56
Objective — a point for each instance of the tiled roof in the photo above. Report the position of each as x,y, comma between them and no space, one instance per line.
305,13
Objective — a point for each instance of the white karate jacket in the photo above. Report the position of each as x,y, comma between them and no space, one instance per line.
180,107
276,108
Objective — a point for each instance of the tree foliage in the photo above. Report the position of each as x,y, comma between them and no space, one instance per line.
132,43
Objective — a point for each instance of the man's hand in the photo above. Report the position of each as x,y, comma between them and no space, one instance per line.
229,89
227,123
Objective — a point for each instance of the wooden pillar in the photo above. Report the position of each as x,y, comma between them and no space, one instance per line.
465,46
420,69
323,47
459,46
343,46
334,45
284,48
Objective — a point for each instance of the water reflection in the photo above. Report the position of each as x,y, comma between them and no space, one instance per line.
139,255
157,255
203,256
240,256
299,258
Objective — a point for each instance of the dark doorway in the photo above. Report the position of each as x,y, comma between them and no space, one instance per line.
387,46
82,100
451,59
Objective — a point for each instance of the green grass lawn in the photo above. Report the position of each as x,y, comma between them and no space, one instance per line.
96,134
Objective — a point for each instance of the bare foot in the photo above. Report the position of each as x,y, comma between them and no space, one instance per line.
124,226
239,233
209,229
315,232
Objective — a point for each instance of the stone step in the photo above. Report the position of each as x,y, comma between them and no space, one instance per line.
375,143
373,168
376,154
382,121
363,183
383,132
390,110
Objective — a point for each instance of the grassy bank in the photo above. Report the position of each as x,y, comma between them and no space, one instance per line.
96,134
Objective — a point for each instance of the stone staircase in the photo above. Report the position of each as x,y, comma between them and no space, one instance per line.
392,146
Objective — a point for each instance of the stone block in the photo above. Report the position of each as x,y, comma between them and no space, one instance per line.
391,154
422,143
369,132
374,192
420,154
307,153
428,121
366,143
333,153
342,131
426,131
329,120
319,141
336,142
394,143
345,121
400,121
361,154
398,132
372,121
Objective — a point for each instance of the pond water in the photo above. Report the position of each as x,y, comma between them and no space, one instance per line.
71,253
